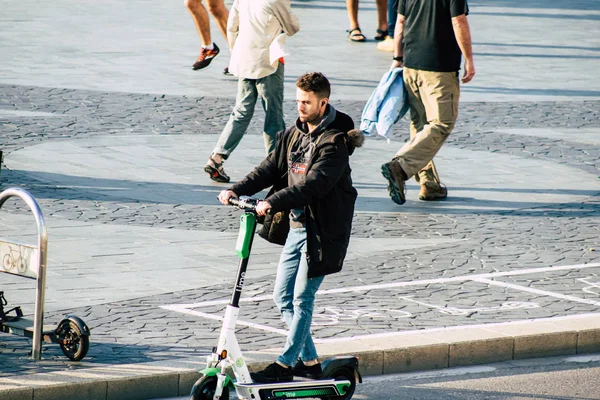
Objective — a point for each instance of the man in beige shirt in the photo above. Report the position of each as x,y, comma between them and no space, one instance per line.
253,26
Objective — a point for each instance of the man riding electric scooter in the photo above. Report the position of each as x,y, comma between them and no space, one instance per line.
309,173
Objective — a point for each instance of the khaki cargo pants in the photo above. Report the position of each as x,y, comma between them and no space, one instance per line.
433,99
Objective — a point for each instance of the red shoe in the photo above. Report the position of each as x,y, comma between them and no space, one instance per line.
205,58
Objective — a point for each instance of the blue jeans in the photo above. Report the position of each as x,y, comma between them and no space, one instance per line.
392,13
270,91
294,294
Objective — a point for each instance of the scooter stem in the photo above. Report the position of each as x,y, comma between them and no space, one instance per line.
242,248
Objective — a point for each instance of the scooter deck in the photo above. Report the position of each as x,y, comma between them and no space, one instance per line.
286,385
22,327
329,388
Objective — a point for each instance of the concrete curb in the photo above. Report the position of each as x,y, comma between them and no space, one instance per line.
473,345
379,354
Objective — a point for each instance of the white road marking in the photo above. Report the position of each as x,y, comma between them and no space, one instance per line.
506,305
583,358
481,278
457,371
456,328
333,315
538,291
364,288
594,286
220,318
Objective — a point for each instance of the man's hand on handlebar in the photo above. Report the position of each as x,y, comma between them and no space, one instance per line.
225,195
262,207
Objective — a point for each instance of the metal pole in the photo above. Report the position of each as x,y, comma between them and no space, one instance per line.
38,319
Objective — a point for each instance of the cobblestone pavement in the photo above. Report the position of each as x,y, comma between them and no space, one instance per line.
473,266
138,330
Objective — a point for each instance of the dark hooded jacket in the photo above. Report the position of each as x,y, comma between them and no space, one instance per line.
327,194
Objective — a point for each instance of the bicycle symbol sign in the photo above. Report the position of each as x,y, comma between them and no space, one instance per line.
16,259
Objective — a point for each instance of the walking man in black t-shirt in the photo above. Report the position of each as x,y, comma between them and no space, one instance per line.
429,39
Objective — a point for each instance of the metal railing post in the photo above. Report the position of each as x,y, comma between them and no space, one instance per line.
38,319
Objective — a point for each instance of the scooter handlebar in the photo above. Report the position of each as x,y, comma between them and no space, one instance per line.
244,203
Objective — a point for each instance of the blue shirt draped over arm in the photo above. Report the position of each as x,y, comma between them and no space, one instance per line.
387,104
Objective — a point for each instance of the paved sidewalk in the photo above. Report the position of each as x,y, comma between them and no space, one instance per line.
104,122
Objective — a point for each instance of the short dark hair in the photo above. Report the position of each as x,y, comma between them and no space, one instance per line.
314,82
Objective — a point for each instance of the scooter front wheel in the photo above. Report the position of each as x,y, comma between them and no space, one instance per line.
345,374
205,387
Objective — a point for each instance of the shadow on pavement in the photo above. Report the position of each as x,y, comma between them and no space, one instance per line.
64,187
545,4
15,355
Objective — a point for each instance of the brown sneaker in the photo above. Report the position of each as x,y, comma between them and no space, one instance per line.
392,171
432,191
205,58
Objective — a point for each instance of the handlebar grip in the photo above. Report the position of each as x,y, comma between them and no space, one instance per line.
244,203
234,201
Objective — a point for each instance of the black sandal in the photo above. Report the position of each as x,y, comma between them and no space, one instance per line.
381,35
215,171
355,35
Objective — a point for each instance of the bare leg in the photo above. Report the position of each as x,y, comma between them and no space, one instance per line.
352,6
220,12
382,22
200,17
217,157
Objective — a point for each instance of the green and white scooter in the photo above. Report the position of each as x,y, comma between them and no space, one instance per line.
340,374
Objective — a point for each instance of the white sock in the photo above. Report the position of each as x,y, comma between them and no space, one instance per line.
209,47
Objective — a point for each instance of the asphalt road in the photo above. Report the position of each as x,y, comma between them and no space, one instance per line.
556,378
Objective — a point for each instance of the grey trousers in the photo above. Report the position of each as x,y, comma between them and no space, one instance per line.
270,92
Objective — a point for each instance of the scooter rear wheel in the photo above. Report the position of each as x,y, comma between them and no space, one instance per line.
345,374
73,343
205,387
